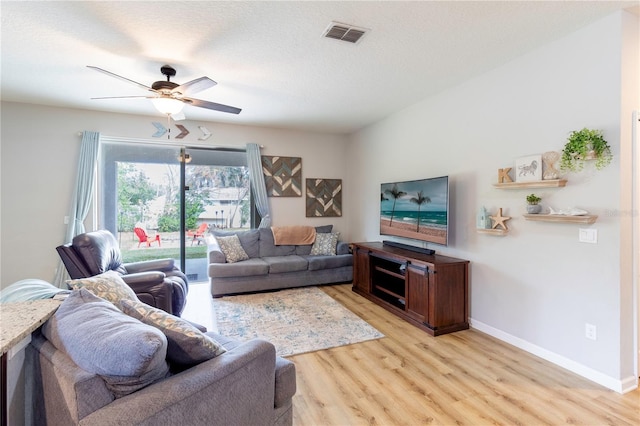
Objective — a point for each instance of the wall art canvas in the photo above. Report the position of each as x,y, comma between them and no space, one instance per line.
529,169
324,197
282,176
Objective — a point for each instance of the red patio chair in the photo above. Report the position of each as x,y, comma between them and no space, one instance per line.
198,233
144,238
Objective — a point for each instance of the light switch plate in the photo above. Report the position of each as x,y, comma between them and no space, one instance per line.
588,236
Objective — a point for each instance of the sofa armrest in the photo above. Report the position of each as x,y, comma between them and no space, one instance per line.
150,265
342,248
214,252
152,288
218,391
285,381
142,280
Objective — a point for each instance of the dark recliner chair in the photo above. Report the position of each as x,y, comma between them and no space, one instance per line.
158,283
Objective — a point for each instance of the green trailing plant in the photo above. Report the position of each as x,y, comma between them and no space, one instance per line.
583,145
533,199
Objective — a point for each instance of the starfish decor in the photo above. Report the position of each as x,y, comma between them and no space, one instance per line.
499,220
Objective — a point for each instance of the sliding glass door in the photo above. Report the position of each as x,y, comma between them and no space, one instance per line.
161,201
216,197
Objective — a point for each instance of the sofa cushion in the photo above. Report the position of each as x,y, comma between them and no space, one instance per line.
268,246
232,249
108,285
186,344
280,264
305,249
317,263
250,240
246,268
100,339
325,244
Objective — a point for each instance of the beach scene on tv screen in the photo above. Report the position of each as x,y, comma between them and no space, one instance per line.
415,209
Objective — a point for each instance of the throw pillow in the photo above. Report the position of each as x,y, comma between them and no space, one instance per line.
324,229
232,248
305,250
250,240
187,344
102,340
108,285
325,244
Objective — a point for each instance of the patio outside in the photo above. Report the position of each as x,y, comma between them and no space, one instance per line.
148,198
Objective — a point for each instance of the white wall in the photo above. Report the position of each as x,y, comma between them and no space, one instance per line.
40,147
538,286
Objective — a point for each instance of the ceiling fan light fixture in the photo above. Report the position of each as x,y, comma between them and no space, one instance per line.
167,106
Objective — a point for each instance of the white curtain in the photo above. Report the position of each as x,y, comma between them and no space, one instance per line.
82,195
258,187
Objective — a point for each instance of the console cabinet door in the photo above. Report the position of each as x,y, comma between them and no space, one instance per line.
417,277
449,290
361,270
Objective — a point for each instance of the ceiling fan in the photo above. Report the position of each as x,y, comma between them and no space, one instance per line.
170,97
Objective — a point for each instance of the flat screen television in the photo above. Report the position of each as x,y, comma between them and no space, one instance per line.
416,209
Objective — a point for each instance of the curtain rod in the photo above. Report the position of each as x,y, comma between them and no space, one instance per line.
165,142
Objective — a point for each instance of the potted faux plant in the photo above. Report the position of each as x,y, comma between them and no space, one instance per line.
532,204
583,145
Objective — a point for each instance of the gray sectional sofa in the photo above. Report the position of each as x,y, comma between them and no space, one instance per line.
73,366
271,266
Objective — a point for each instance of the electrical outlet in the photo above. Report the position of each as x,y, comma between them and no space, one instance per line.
588,235
66,220
590,331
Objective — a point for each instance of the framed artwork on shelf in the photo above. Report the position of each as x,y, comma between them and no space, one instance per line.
549,160
324,197
529,168
282,176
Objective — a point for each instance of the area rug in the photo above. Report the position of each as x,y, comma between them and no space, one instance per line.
295,320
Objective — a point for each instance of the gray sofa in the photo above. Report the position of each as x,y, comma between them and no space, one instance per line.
245,385
272,267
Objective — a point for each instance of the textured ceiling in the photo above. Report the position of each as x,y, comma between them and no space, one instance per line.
269,57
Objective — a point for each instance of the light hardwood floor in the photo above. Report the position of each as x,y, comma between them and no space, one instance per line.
463,378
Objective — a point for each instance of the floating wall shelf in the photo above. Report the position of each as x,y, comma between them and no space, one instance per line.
557,218
498,232
551,183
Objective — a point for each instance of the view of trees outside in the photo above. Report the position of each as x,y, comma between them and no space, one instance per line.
148,195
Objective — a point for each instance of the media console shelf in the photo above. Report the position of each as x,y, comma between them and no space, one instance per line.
429,291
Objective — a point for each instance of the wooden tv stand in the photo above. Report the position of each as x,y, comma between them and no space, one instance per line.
429,291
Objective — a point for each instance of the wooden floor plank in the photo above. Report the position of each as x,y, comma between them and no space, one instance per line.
411,378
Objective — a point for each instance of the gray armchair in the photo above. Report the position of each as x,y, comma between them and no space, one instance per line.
158,283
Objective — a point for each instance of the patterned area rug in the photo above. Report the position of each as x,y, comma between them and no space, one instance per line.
295,320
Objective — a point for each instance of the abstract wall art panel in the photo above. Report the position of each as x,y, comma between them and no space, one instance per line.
282,176
324,197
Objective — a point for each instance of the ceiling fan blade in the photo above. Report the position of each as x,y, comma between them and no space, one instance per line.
124,97
109,73
194,86
212,105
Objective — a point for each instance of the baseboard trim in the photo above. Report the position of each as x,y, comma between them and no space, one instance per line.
621,386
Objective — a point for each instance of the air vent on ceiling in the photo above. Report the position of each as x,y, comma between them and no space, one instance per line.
344,32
